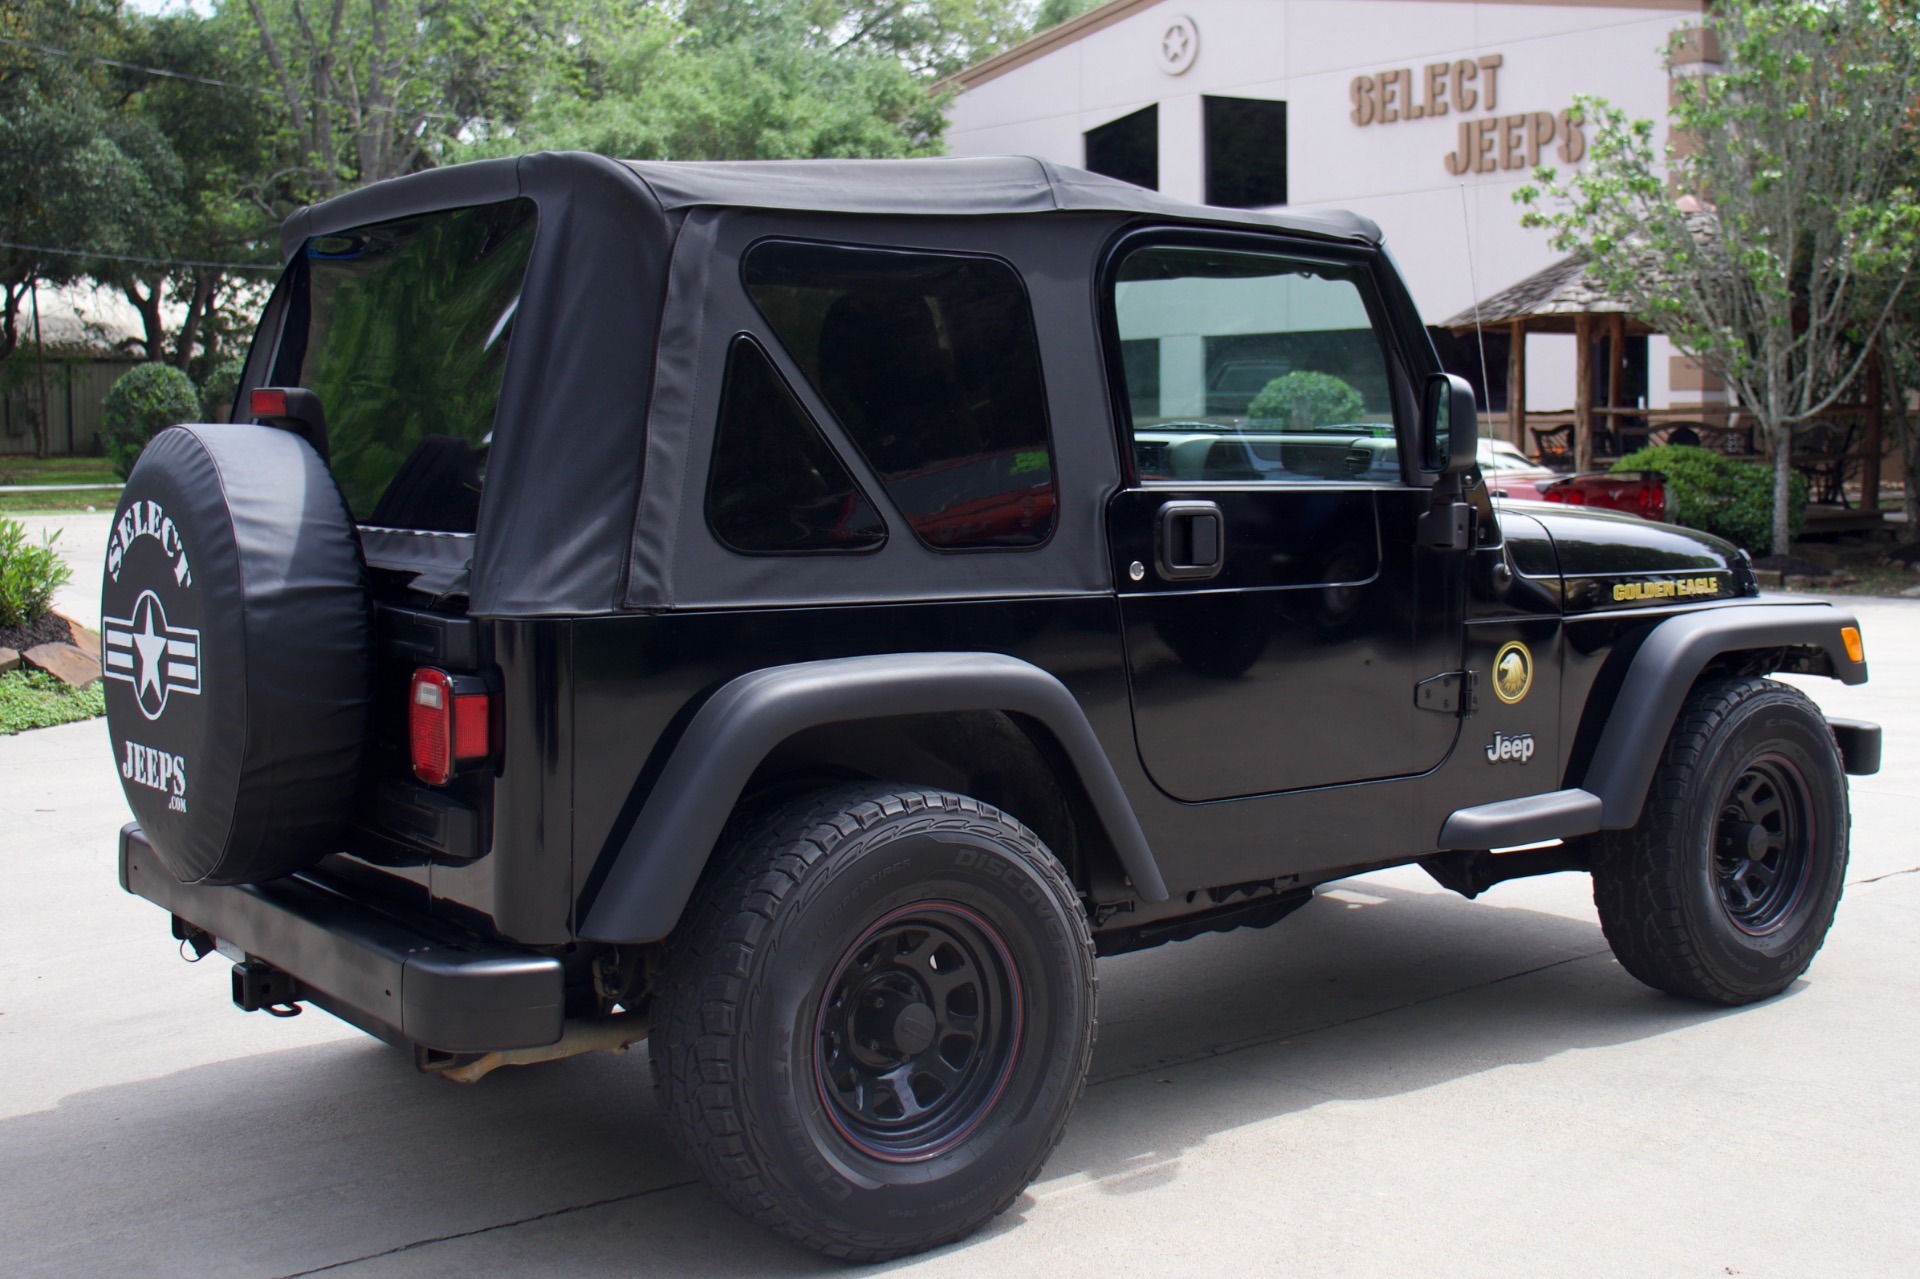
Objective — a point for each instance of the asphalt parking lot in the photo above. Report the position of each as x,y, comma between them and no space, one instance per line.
1394,1081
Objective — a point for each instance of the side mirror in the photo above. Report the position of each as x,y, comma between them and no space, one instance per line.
1450,427
1450,438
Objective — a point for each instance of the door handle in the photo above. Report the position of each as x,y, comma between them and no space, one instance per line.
1190,541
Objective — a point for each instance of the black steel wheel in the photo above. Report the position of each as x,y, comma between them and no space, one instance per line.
918,1030
1725,889
1763,845
876,1021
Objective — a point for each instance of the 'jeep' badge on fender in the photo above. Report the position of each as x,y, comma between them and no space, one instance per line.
1512,672
1504,748
155,658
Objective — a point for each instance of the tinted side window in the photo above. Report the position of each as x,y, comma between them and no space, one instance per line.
406,327
931,365
1250,366
776,486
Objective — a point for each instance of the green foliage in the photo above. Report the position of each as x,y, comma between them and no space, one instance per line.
146,399
1052,13
219,388
75,170
1721,495
1796,230
929,38
34,699
763,89
29,575
1304,399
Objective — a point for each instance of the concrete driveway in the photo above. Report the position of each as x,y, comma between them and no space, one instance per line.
1395,1081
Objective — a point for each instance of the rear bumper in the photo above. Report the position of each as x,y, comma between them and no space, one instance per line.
402,979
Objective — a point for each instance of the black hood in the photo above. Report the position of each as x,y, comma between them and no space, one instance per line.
1607,560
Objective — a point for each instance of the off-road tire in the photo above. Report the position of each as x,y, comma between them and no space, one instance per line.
764,962
1675,907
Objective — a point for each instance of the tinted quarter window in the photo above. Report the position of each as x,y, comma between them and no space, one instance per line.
407,327
1252,366
776,485
931,365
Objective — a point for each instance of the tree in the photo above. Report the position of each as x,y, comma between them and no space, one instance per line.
372,89
760,82
930,38
223,207
1052,13
75,176
1776,238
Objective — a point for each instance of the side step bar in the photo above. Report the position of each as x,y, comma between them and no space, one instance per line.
1559,814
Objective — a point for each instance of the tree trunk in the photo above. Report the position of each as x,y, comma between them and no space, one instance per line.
42,428
155,329
197,307
1782,488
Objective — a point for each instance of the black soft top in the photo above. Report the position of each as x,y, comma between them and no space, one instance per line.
595,355
982,186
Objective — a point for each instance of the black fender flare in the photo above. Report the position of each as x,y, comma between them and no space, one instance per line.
1664,670
654,873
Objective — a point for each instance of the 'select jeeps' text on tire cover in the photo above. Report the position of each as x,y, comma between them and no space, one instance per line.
236,648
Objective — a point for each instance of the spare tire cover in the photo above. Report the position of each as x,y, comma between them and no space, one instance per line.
237,652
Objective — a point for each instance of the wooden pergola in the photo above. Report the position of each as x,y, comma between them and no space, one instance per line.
1562,299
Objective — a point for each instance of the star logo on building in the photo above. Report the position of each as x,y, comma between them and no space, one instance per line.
1179,42
157,659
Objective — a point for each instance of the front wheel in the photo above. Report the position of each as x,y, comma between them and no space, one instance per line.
1726,887
876,1019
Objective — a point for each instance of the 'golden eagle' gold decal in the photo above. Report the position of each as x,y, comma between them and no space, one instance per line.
1665,588
1512,672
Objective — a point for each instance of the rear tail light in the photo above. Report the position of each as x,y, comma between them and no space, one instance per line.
1653,500
268,401
449,723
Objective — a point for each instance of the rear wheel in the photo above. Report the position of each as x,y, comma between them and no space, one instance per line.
1726,888
877,1019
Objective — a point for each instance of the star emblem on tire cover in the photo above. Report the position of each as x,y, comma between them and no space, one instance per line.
157,659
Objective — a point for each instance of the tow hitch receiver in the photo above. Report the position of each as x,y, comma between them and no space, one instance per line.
260,987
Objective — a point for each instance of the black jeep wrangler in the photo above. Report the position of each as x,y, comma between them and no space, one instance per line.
800,614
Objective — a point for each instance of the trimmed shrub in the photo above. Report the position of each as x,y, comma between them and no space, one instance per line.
219,388
1305,399
29,575
1721,495
147,399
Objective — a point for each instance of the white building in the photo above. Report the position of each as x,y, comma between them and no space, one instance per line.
1424,115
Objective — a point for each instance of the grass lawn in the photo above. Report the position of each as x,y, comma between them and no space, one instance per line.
57,501
34,699
56,470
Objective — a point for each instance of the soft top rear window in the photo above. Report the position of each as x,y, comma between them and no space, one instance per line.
402,328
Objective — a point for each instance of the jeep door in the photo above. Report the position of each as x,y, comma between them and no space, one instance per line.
1277,609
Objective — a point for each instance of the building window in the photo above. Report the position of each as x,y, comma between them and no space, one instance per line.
1246,145
931,364
776,486
1128,148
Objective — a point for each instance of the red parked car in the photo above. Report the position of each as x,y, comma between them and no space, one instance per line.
1642,493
